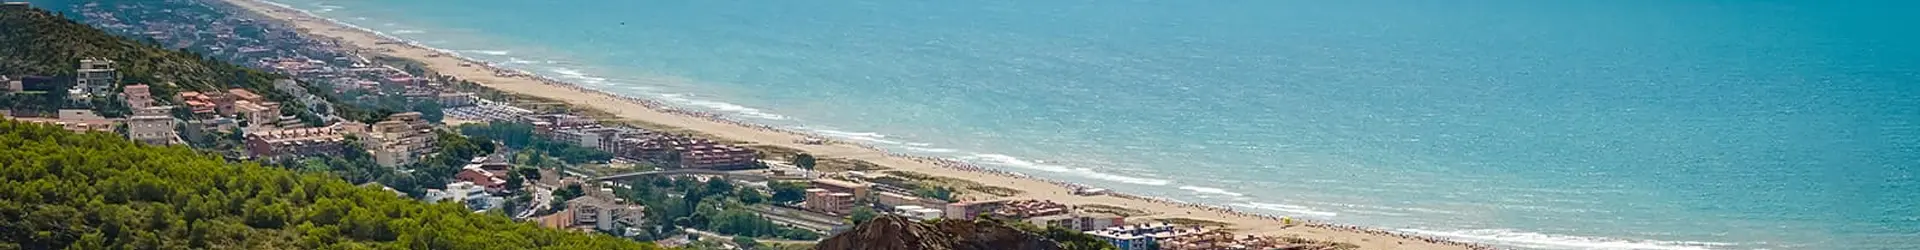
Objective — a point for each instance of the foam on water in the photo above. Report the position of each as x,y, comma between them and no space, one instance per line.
1288,209
408,32
492,52
723,107
1209,190
1010,161
931,150
1549,241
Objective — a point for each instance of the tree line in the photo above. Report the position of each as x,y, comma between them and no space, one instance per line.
60,189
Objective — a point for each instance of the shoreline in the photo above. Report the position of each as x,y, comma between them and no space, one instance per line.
487,74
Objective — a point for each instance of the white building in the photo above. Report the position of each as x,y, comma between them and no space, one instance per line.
96,76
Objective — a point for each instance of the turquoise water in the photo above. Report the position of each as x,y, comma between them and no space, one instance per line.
1528,124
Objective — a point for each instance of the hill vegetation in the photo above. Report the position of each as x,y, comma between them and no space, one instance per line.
61,190
38,42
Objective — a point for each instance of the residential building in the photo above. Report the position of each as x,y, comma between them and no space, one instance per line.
1222,240
285,144
859,190
1021,209
96,76
686,152
473,196
460,99
493,182
605,215
10,85
1079,221
967,210
152,125
245,95
76,120
137,96
917,212
401,139
1141,237
824,201
257,114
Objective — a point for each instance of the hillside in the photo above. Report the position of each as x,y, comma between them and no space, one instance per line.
38,42
60,189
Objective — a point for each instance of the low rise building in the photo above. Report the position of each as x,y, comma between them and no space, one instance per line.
259,115
824,201
1079,221
402,139
859,190
1223,240
472,195
153,125
967,210
1022,209
486,179
605,215
76,120
460,99
1142,237
286,144
137,96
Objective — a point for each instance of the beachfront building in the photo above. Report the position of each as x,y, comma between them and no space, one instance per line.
1224,240
457,99
829,202
686,152
488,110
1078,221
76,120
153,125
285,144
1142,237
967,210
1022,209
95,77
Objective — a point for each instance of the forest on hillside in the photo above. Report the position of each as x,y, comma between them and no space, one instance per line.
61,190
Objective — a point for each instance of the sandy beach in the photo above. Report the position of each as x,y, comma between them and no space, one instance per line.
640,110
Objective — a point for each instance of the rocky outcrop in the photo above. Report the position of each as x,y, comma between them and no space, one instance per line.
898,233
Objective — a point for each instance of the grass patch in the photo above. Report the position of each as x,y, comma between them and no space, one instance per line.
1111,209
956,183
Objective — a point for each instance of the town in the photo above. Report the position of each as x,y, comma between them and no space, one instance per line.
391,124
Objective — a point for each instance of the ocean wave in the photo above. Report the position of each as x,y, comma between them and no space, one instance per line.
858,136
1006,160
408,32
490,52
1290,209
1550,241
931,150
1209,190
721,106
578,75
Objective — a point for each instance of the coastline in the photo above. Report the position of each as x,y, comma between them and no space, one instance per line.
523,83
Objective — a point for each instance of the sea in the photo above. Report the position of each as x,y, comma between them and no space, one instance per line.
1566,124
